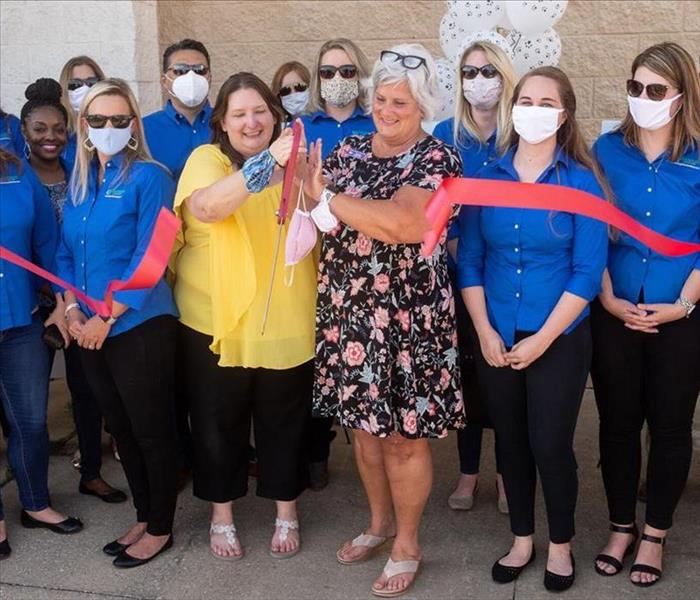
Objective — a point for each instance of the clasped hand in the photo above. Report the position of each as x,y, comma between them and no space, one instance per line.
88,333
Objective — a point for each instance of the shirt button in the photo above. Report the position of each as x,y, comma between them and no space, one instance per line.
517,226
650,167
104,180
648,213
648,189
518,271
82,242
516,249
486,162
82,264
517,294
84,218
338,125
194,131
82,286
644,260
2,274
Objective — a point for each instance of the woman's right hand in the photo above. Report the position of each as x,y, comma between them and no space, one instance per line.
492,348
626,312
75,321
281,148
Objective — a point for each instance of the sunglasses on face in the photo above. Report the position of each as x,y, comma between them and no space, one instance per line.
408,61
297,87
182,69
655,91
329,71
117,121
470,71
75,83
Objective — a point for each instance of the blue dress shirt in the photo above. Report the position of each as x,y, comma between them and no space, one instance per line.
106,235
321,125
525,259
171,138
663,195
11,138
28,227
69,152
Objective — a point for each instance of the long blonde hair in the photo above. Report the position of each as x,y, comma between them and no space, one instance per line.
65,77
464,120
675,65
357,58
137,150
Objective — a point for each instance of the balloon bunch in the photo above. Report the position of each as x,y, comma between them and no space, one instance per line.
523,28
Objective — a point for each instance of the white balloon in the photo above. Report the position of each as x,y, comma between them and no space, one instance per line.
446,85
485,36
534,16
530,52
450,35
505,19
477,15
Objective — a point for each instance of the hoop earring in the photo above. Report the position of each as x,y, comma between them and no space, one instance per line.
88,145
133,143
27,150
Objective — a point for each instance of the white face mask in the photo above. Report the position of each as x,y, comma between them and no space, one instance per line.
339,91
76,96
482,93
536,123
651,114
191,89
109,140
296,102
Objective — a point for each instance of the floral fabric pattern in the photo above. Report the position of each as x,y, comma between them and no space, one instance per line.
386,341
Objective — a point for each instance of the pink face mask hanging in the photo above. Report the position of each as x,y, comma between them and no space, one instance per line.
302,236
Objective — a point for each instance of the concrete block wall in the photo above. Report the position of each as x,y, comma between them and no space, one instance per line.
600,38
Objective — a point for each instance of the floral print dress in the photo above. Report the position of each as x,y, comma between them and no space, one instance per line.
386,342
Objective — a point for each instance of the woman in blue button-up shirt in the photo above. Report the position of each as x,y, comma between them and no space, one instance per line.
27,228
646,335
115,197
480,131
527,277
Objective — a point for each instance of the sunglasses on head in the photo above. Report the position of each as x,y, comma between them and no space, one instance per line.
329,71
75,83
117,121
182,69
408,61
470,71
655,91
297,87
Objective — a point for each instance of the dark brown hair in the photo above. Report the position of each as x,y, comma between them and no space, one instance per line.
283,70
7,159
569,136
241,81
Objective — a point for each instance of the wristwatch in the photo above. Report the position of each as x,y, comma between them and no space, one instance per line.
687,304
110,320
323,217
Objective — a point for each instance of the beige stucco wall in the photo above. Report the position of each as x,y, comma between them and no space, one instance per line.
600,38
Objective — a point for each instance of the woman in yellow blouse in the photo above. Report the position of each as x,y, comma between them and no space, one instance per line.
227,197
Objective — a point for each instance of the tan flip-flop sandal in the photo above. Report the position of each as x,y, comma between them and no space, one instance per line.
372,542
392,569
285,527
229,532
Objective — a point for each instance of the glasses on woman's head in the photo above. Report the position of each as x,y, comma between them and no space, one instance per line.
75,83
297,87
117,121
470,71
408,61
183,68
655,91
329,71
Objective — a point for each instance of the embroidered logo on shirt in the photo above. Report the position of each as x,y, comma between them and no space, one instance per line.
687,161
114,193
9,179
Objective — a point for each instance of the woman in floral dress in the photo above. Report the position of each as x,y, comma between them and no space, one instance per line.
386,352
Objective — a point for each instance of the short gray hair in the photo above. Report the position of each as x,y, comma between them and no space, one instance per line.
422,81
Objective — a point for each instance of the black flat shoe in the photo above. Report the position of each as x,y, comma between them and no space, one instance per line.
642,568
560,583
503,574
611,560
5,549
113,497
67,526
114,548
126,561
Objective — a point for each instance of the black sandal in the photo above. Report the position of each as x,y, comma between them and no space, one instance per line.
641,568
611,560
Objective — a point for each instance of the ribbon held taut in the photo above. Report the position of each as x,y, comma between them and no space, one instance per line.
514,194
146,275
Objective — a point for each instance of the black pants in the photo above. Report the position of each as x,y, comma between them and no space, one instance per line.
641,377
132,377
320,438
222,402
534,412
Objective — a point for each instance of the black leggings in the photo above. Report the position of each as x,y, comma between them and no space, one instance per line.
222,402
132,378
641,377
534,413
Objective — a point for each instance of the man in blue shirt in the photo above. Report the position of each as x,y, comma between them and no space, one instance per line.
172,133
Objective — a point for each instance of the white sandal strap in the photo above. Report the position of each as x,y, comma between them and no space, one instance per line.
391,569
227,529
285,526
368,540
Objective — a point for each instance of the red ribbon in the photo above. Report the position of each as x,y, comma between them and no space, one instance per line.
513,194
146,275
288,181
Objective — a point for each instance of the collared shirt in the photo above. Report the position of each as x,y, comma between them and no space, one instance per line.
527,258
28,228
11,138
663,195
105,237
171,138
321,125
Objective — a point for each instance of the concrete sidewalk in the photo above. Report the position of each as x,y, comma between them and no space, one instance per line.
459,548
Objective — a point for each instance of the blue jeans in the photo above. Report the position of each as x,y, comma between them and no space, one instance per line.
24,390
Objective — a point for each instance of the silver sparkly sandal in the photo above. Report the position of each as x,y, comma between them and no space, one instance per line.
285,527
228,530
